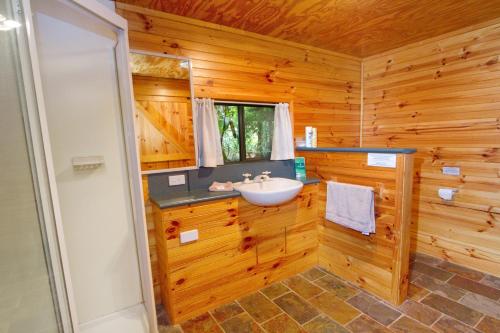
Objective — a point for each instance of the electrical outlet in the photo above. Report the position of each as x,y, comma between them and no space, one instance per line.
189,236
176,180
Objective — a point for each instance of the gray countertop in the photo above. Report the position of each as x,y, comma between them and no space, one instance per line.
182,198
359,150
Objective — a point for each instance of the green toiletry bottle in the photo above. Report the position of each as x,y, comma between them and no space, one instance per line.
300,168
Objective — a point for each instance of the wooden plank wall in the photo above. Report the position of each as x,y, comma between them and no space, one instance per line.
323,86
442,96
379,262
241,248
164,122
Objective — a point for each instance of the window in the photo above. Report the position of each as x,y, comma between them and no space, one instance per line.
246,131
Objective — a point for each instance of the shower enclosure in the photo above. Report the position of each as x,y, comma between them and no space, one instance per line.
71,210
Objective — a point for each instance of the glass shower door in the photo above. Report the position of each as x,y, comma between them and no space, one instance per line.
28,297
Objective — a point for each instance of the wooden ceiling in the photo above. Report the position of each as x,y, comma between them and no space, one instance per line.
356,27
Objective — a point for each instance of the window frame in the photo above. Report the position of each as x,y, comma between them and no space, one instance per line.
241,129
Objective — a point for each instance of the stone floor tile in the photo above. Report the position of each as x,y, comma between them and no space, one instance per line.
364,324
431,271
334,307
226,311
303,287
407,325
241,323
169,329
413,275
491,281
489,325
202,324
323,324
416,293
439,287
419,311
282,324
373,308
442,296
313,274
275,290
296,307
450,325
336,286
482,304
259,307
475,287
452,308
426,259
461,270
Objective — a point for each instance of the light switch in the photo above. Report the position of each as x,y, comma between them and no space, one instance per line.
382,160
189,236
176,180
453,171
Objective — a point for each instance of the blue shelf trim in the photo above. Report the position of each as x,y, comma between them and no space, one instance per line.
359,150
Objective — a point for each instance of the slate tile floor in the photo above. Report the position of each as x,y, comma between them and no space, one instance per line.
443,298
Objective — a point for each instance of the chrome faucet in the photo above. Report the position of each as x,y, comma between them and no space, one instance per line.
247,178
263,177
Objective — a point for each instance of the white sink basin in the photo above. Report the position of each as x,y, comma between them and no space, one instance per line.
271,192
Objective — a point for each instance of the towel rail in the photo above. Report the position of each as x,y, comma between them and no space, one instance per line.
378,190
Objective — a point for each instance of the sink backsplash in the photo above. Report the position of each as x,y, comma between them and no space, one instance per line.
202,178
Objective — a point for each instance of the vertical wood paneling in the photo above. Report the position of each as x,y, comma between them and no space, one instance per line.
442,97
232,64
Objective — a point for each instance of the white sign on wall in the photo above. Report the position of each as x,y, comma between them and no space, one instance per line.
382,160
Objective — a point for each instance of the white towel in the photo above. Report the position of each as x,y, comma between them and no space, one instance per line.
351,206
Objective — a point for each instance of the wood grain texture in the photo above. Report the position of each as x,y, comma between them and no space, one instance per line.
357,27
323,86
378,262
162,67
164,122
241,248
442,97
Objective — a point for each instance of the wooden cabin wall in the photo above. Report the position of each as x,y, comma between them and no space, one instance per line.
322,87
442,96
165,122
230,64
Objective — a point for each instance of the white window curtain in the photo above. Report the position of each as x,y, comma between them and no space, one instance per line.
209,145
282,148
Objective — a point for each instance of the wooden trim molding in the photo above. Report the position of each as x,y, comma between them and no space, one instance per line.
401,256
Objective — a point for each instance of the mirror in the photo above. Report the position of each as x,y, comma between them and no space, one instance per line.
164,116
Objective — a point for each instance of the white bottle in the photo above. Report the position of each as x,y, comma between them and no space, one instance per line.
315,137
309,136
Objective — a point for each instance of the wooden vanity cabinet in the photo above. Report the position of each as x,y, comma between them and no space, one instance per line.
241,248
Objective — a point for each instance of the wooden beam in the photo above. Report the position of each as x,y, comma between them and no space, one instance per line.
401,254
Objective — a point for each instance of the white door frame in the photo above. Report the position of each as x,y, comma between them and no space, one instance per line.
50,198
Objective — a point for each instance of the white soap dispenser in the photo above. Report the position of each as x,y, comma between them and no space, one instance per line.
315,137
309,136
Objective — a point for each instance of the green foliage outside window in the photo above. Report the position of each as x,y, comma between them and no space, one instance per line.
246,131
